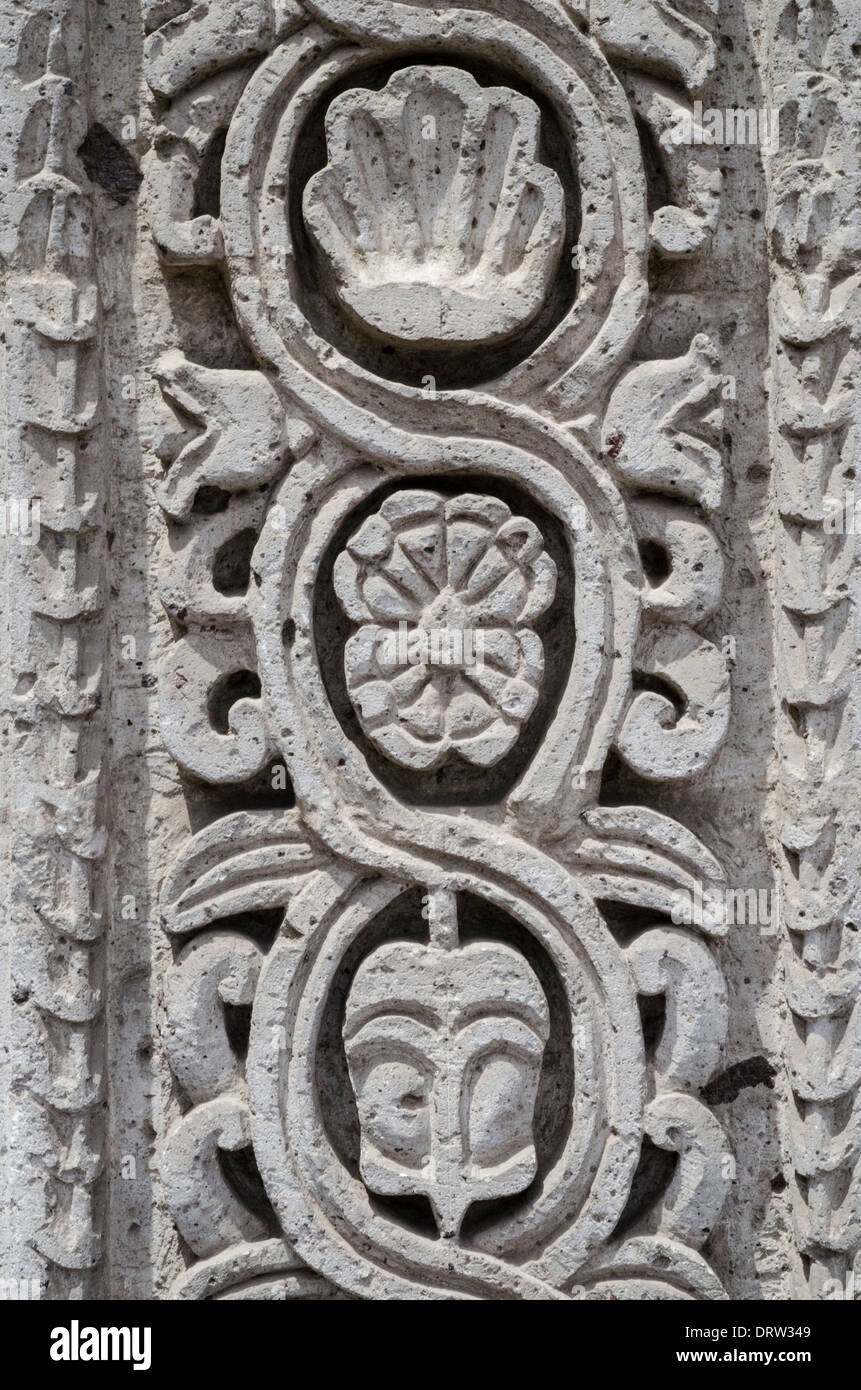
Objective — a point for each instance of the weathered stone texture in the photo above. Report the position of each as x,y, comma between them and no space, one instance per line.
430,758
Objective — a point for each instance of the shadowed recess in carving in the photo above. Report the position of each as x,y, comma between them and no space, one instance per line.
239,685
625,920
454,782
727,1085
206,323
209,501
271,787
231,570
653,1176
109,164
657,184
240,1172
393,360
207,193
621,786
656,562
658,686
653,1016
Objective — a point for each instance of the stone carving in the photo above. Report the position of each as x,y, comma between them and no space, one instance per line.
695,669
659,34
471,976
446,665
656,432
444,1045
435,218
682,227
240,439
815,312
53,686
423,734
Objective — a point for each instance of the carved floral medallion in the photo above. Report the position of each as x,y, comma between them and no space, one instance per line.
444,658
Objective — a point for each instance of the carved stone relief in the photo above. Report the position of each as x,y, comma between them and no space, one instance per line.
459,696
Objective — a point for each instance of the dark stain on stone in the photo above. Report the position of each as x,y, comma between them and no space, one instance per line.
614,445
754,1071
109,164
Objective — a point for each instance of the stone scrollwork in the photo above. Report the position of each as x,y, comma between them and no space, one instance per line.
406,1038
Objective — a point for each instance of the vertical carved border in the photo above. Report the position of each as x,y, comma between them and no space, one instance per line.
815,317
54,630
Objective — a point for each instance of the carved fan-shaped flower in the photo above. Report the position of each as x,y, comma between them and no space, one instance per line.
435,222
445,591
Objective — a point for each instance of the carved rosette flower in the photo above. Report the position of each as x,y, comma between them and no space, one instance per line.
445,659
435,222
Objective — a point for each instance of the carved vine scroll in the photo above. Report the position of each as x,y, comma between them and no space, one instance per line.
410,1044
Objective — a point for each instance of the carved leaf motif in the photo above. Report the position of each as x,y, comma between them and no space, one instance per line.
192,583
652,1267
691,590
636,855
659,421
658,32
671,962
215,969
207,36
654,740
191,675
693,1201
173,168
246,862
682,226
243,441
254,1269
209,1216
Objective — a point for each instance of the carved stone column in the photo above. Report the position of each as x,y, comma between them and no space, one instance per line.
429,595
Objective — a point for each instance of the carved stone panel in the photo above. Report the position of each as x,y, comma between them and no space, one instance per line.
429,751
